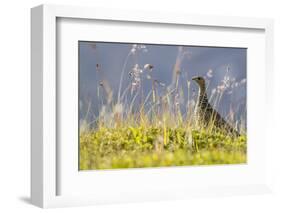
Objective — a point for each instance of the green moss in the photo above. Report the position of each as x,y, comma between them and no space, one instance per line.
137,147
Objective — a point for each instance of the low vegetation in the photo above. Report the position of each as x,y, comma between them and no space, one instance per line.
136,147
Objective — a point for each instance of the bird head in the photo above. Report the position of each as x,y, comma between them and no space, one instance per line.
199,80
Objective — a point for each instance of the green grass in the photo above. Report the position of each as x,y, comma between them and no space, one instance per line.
138,147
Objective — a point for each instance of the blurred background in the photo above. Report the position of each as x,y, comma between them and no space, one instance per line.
110,67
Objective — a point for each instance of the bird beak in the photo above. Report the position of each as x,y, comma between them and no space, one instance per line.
194,78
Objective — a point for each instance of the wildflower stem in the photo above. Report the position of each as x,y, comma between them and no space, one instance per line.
121,77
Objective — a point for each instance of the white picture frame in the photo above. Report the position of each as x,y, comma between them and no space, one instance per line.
46,167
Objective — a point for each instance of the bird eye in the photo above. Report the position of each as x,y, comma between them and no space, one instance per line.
199,78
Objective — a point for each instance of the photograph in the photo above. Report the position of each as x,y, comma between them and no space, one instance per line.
161,105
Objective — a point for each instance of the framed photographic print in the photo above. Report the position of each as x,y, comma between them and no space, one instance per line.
130,106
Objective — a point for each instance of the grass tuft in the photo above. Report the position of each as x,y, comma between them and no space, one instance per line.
136,147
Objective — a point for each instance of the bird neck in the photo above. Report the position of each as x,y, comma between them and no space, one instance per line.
202,92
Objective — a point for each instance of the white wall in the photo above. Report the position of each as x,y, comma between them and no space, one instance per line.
15,98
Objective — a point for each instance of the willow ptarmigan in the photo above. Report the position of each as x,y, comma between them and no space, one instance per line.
205,112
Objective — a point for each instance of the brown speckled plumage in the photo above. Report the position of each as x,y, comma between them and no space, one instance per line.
205,112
